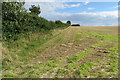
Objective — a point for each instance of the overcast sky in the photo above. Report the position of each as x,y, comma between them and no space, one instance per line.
83,13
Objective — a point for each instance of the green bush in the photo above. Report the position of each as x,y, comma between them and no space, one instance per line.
16,21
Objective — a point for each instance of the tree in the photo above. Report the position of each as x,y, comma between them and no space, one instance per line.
11,10
16,21
35,9
11,18
68,22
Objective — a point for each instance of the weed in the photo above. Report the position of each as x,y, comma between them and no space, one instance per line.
10,75
79,56
101,74
62,71
84,68
71,66
112,68
112,55
113,74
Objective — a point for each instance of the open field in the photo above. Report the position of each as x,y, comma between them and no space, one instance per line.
75,52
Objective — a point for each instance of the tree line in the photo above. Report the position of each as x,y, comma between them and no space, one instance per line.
16,20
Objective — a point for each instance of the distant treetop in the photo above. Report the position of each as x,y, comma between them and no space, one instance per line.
35,9
68,22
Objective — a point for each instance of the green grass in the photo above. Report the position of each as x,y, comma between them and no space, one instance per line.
101,74
61,72
112,55
78,38
84,69
104,38
39,69
52,63
58,40
79,56
25,52
10,75
114,59
114,49
113,65
72,65
33,45
112,68
113,75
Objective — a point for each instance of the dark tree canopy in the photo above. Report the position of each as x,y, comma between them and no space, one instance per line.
68,22
11,10
11,18
35,9
75,25
58,22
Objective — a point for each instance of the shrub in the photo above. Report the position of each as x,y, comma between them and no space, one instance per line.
16,21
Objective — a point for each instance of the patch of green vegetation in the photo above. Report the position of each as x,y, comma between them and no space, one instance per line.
84,69
49,66
71,66
78,37
71,61
57,79
33,45
28,51
61,72
46,70
36,70
104,38
79,56
113,74
33,67
43,48
52,64
33,76
10,75
102,74
58,40
113,65
83,72
112,68
112,55
99,44
114,60
26,71
114,49
25,52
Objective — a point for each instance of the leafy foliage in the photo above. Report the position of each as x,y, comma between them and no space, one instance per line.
68,22
35,9
12,15
17,21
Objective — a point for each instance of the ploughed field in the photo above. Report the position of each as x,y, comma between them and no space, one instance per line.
75,52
